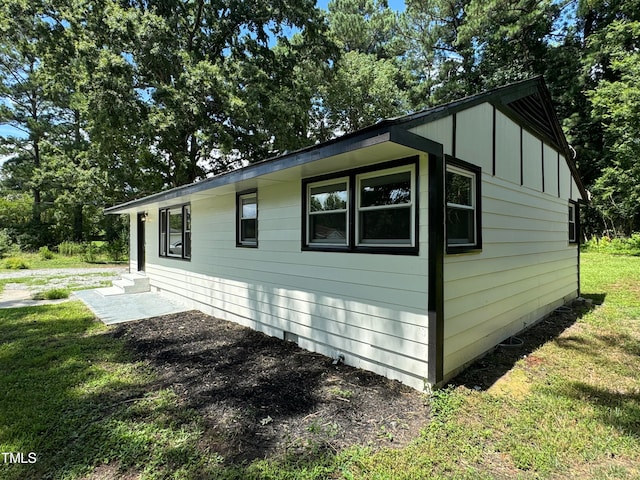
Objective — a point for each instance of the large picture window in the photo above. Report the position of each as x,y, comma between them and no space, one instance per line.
372,210
175,232
462,190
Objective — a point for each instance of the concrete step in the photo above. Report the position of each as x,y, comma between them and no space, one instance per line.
129,283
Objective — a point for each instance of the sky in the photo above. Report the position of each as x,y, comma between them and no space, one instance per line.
397,5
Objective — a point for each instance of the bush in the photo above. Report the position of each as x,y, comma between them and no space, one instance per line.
91,253
7,246
617,245
70,249
15,263
53,294
45,253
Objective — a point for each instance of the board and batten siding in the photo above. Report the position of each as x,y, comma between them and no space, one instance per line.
526,267
370,308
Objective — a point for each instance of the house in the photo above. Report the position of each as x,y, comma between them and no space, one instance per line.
408,248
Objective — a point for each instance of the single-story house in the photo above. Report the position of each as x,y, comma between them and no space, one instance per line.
408,248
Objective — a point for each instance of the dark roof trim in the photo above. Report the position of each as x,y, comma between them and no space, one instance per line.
392,130
384,132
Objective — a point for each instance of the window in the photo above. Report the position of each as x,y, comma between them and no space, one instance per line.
573,223
247,208
462,192
175,232
371,209
327,214
385,208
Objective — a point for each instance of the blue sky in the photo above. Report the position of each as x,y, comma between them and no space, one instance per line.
397,5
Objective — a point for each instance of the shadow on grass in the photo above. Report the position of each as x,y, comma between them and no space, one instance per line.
73,397
484,372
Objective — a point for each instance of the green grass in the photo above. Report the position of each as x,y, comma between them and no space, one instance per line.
54,260
70,393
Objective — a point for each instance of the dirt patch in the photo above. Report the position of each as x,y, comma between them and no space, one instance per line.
261,396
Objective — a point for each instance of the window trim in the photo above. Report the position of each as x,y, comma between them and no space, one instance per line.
164,234
324,183
353,177
461,167
575,207
239,197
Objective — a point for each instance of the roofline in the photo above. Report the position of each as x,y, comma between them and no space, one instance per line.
394,130
385,131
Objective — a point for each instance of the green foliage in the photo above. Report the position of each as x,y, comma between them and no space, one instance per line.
7,246
70,249
53,294
16,263
45,253
616,245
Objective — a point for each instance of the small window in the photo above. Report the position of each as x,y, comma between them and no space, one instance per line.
175,232
463,212
385,208
327,212
248,220
573,224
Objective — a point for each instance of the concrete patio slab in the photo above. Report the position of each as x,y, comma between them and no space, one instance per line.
128,306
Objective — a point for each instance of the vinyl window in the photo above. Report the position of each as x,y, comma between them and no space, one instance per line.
175,232
462,191
247,206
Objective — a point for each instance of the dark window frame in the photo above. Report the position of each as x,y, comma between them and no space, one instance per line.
476,173
164,234
351,176
239,240
574,227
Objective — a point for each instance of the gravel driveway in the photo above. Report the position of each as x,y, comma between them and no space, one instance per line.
20,294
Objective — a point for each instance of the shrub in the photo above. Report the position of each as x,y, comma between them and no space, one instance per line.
625,246
53,294
91,253
7,246
45,253
69,249
15,263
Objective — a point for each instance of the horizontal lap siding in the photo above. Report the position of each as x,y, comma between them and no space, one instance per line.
525,270
370,308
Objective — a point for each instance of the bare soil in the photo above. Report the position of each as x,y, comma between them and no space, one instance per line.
261,396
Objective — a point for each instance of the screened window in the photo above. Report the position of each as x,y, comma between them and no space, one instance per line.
327,212
175,232
385,208
463,213
248,220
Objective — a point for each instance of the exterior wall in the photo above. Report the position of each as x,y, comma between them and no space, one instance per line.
133,243
370,308
526,267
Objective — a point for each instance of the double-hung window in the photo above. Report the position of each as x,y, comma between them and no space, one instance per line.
462,191
371,209
573,223
385,207
247,208
175,232
327,212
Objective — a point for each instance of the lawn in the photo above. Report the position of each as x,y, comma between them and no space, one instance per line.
73,395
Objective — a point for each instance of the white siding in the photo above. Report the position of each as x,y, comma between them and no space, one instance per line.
550,170
474,136
370,308
507,149
531,161
525,270
440,131
133,242
526,267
